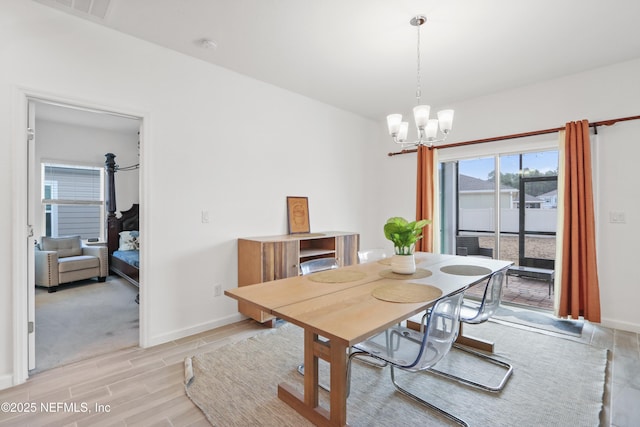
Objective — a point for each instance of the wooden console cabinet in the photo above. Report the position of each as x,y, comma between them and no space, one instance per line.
262,259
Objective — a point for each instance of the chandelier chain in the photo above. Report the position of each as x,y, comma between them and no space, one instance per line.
418,87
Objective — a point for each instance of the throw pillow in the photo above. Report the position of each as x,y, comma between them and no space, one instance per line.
129,240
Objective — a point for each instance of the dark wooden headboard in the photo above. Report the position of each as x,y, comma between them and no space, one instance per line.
129,220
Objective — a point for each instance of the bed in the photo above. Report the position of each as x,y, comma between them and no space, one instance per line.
123,232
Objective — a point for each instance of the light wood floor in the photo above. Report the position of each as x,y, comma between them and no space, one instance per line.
134,386
138,386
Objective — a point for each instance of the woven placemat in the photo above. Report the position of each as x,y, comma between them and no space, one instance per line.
406,292
337,276
465,270
420,273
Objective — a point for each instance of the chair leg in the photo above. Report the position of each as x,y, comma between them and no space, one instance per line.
402,390
361,357
322,386
424,402
486,387
376,363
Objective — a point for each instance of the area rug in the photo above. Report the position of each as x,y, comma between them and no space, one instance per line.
556,382
539,320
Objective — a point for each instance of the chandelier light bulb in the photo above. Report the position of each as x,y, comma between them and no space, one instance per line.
404,129
421,115
445,117
393,123
431,131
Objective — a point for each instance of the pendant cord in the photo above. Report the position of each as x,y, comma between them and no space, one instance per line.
418,88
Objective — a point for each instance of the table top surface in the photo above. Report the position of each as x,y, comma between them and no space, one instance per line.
347,311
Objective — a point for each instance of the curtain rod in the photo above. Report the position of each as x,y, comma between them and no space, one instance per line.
518,135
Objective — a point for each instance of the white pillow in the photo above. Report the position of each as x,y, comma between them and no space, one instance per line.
129,240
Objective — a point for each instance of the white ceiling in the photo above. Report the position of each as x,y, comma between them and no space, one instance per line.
360,55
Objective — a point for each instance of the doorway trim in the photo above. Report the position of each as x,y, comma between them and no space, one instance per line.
19,200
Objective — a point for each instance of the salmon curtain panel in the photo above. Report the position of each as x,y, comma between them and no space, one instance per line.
579,293
425,203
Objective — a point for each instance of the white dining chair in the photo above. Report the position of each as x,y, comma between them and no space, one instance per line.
474,314
314,266
415,351
319,264
371,255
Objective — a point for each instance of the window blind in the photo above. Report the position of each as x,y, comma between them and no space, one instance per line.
72,185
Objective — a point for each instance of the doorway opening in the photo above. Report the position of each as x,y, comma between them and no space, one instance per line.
84,317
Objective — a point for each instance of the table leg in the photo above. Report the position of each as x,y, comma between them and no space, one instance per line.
338,394
474,342
307,404
310,370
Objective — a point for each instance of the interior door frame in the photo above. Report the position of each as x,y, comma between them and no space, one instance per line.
31,188
22,306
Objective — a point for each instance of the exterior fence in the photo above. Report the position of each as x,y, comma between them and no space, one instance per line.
484,220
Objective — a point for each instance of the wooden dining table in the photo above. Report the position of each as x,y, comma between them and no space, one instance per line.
350,304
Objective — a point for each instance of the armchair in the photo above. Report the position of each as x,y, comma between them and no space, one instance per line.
470,245
65,259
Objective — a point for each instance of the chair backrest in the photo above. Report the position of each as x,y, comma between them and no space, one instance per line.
371,255
443,324
471,243
490,300
65,246
319,264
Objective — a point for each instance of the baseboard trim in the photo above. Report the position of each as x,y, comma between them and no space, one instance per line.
181,333
6,381
620,325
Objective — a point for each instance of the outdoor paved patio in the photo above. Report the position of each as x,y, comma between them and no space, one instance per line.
521,291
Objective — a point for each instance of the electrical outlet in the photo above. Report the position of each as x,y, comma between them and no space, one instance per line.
217,290
205,217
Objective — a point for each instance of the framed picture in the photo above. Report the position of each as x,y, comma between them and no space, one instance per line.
298,214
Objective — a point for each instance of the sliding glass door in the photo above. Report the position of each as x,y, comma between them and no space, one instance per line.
515,215
477,201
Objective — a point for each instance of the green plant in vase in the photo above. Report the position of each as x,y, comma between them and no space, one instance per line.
404,235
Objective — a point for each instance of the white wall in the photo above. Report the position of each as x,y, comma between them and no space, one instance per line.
600,94
199,152
617,153
86,146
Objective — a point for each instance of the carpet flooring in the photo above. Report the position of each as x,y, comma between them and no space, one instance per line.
84,319
556,382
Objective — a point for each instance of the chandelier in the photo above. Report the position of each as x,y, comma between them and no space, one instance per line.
427,128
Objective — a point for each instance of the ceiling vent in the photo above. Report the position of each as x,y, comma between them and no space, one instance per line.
92,9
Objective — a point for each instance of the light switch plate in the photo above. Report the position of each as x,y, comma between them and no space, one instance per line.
616,217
